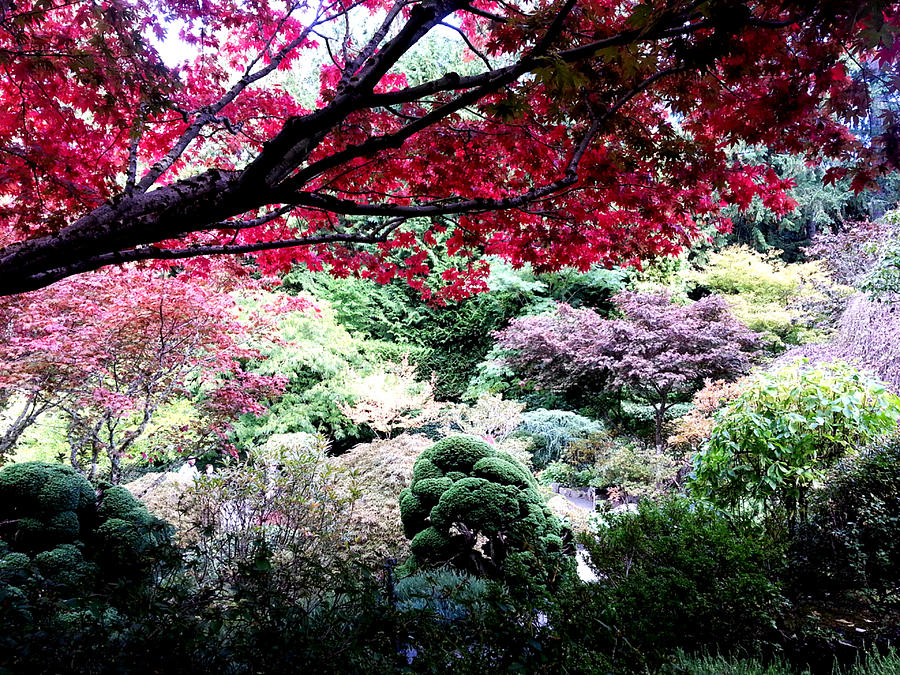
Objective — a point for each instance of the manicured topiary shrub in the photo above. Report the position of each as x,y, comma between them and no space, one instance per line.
53,516
42,505
480,510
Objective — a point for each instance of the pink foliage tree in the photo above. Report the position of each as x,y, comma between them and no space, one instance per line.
106,350
657,350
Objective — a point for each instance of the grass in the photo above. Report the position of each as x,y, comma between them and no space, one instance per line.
706,664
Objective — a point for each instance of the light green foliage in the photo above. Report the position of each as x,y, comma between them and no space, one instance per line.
780,435
632,469
321,359
447,341
789,304
174,430
639,471
562,473
44,441
482,493
554,430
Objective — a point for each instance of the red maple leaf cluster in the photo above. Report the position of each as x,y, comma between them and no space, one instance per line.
588,131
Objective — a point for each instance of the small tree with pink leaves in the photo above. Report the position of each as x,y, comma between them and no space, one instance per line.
657,350
106,350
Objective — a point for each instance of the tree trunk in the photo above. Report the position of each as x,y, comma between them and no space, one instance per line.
661,410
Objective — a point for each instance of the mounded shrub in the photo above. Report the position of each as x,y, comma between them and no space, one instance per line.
851,539
474,507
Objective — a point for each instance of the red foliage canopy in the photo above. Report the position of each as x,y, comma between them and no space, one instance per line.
106,350
591,130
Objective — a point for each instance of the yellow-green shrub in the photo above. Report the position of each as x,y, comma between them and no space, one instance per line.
788,303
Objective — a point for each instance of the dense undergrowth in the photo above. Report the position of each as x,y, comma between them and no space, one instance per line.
389,509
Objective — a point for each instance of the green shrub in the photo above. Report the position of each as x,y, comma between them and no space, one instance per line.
780,435
42,505
558,472
78,574
463,490
677,575
852,537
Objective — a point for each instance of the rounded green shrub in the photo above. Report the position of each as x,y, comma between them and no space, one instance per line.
39,487
480,504
117,502
425,468
65,564
43,505
431,543
458,453
13,565
480,507
430,489
504,470
52,513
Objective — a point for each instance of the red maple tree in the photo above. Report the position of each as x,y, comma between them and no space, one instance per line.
106,350
592,130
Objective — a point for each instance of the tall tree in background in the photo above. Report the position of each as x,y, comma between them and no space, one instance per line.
591,131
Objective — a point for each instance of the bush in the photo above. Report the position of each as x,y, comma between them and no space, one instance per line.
450,594
326,367
554,430
789,304
381,470
779,436
47,509
680,576
693,429
481,511
852,537
77,571
488,417
43,505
